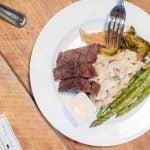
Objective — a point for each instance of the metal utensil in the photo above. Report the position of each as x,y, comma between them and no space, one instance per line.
115,25
14,17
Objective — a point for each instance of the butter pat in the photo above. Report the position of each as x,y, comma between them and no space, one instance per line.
80,108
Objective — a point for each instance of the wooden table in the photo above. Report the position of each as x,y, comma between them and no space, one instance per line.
16,100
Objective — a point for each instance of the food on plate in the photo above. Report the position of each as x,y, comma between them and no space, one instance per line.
114,73
90,38
80,108
131,41
79,85
108,51
86,54
75,70
97,37
115,80
138,88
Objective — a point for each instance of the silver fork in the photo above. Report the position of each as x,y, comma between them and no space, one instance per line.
115,25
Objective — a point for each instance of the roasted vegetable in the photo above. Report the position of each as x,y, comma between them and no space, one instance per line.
133,42
98,37
95,37
134,104
129,41
107,51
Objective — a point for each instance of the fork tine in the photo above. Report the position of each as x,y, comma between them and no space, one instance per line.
115,32
120,32
112,32
122,28
118,25
108,31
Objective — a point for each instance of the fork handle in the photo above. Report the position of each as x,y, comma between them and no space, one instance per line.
12,16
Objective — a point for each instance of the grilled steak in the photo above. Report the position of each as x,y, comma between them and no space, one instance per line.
79,85
87,54
74,70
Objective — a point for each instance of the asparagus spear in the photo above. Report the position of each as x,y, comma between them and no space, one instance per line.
131,98
140,97
136,103
132,95
102,110
108,111
98,121
133,83
136,81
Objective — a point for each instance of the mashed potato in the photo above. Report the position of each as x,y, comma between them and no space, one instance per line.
114,73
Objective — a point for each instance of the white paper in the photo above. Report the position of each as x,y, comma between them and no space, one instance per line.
8,140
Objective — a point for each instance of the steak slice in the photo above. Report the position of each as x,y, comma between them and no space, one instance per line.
74,70
79,85
86,54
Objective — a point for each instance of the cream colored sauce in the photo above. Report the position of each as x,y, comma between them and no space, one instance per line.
80,108
114,73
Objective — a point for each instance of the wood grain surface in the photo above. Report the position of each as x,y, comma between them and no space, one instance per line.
30,127
32,130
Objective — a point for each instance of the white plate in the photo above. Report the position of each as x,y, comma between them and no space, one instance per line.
62,32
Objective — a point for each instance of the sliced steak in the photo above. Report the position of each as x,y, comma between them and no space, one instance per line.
86,54
74,70
79,85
